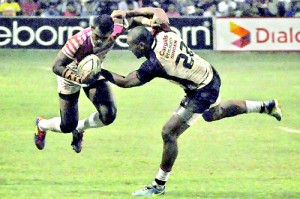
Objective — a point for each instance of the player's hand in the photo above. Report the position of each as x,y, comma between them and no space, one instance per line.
156,22
89,78
118,14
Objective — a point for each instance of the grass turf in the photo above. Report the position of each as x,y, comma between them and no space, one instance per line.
250,156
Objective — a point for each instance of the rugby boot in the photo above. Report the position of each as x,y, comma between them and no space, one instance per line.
77,141
151,190
39,138
272,108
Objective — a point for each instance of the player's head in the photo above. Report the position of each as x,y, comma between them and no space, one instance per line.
102,27
140,40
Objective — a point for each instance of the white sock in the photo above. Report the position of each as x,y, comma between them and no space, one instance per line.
92,121
162,176
253,106
51,124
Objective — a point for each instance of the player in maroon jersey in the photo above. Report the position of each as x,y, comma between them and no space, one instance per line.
97,39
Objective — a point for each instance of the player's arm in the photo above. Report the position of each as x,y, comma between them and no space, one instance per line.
60,63
142,16
131,80
60,69
148,12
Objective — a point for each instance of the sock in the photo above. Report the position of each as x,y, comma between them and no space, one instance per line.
93,121
255,106
161,178
51,124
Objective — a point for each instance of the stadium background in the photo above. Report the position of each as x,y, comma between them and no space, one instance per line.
251,156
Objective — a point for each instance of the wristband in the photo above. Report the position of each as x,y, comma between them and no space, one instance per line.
70,75
118,29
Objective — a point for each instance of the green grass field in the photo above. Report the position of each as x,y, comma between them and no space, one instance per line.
250,156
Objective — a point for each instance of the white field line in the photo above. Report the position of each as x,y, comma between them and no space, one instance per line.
289,130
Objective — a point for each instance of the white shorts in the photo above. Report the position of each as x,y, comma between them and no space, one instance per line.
67,87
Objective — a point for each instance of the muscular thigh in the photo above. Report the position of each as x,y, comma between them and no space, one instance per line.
197,101
100,95
69,109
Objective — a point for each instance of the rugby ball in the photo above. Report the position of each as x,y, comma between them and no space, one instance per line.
88,64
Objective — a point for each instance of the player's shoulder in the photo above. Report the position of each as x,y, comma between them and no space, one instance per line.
163,27
75,42
164,39
160,34
81,36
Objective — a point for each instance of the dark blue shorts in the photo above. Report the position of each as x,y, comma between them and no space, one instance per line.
199,100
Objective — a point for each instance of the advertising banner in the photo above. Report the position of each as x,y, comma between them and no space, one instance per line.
258,34
52,33
40,33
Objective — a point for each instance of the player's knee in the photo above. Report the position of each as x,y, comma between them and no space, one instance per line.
167,134
109,116
208,115
68,128
213,114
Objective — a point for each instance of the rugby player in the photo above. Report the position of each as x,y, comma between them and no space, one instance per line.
169,57
97,39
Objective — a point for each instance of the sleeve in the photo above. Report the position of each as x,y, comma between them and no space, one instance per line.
70,48
147,72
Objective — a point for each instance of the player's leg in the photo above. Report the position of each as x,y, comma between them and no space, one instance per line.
68,119
65,124
68,99
236,107
188,113
220,110
191,108
170,133
101,96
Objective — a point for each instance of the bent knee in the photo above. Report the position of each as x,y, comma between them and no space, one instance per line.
208,116
68,128
167,135
213,114
109,117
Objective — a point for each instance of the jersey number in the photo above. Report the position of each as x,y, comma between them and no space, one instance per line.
185,57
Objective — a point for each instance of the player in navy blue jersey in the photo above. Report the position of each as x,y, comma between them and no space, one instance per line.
170,58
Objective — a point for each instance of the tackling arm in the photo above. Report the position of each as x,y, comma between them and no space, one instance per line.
143,16
148,12
125,82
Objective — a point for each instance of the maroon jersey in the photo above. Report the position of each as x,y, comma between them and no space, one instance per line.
80,45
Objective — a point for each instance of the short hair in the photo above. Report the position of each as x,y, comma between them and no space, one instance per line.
140,33
104,22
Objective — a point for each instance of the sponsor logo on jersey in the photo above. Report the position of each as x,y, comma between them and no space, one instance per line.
169,47
165,44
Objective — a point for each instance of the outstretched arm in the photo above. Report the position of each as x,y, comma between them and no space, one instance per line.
131,80
143,16
148,12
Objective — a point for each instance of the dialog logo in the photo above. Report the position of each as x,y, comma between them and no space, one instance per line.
244,34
